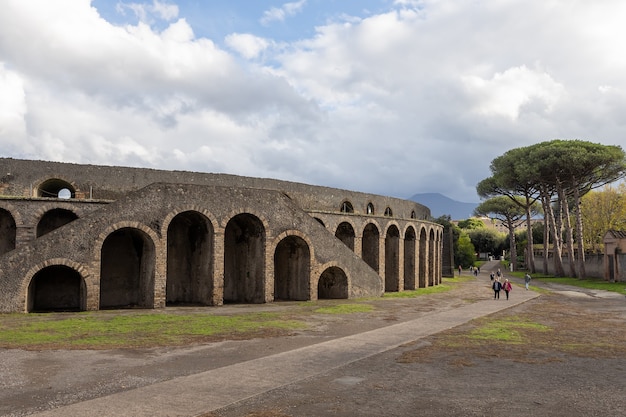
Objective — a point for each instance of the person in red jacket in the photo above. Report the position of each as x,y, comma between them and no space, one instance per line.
507,287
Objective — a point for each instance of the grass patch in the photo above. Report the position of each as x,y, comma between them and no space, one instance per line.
421,291
593,284
509,330
345,309
98,331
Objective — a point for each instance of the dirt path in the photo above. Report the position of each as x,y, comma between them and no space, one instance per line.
577,369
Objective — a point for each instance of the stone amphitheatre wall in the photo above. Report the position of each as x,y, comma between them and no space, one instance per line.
126,240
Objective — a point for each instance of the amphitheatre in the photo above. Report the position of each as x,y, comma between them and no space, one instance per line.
86,237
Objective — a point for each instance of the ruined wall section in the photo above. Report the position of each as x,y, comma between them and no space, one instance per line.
77,244
21,177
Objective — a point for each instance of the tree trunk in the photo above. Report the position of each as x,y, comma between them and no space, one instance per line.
582,274
511,227
546,231
556,247
569,235
529,228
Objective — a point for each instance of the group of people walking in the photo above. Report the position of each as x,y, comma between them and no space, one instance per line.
496,281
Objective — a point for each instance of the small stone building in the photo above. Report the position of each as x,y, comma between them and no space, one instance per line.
615,255
87,237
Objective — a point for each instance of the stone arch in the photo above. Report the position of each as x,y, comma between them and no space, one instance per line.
371,246
345,233
55,188
127,269
346,207
292,269
392,259
8,231
53,219
409,258
370,208
333,284
190,247
388,212
244,259
413,214
56,288
423,257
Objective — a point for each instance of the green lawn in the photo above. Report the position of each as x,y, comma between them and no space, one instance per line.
592,283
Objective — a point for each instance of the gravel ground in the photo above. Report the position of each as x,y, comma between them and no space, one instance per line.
578,369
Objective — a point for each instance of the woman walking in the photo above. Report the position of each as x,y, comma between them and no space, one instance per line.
507,287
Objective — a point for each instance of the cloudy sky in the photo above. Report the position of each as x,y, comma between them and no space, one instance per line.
394,97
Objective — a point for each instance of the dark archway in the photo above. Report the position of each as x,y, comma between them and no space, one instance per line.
346,207
345,233
292,269
56,188
127,270
392,259
244,260
423,267
333,284
370,246
409,259
8,232
189,260
53,219
56,288
431,258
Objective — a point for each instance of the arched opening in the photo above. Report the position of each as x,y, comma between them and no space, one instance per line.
56,288
370,208
56,188
127,270
346,207
292,269
8,232
244,260
431,258
53,219
392,259
189,260
413,215
409,259
388,212
345,233
370,246
333,284
423,256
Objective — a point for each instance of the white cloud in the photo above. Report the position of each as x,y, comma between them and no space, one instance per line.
146,12
506,93
281,13
247,45
12,106
418,98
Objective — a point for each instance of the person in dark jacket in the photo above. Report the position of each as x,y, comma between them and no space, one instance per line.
497,286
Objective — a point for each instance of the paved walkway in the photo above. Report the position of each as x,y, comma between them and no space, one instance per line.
207,391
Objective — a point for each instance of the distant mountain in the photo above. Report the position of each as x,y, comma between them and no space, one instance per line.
439,205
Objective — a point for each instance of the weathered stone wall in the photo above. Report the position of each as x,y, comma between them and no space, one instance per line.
594,265
122,233
22,178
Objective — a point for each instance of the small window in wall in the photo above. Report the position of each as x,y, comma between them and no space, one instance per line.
388,212
56,188
346,207
370,208
413,215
